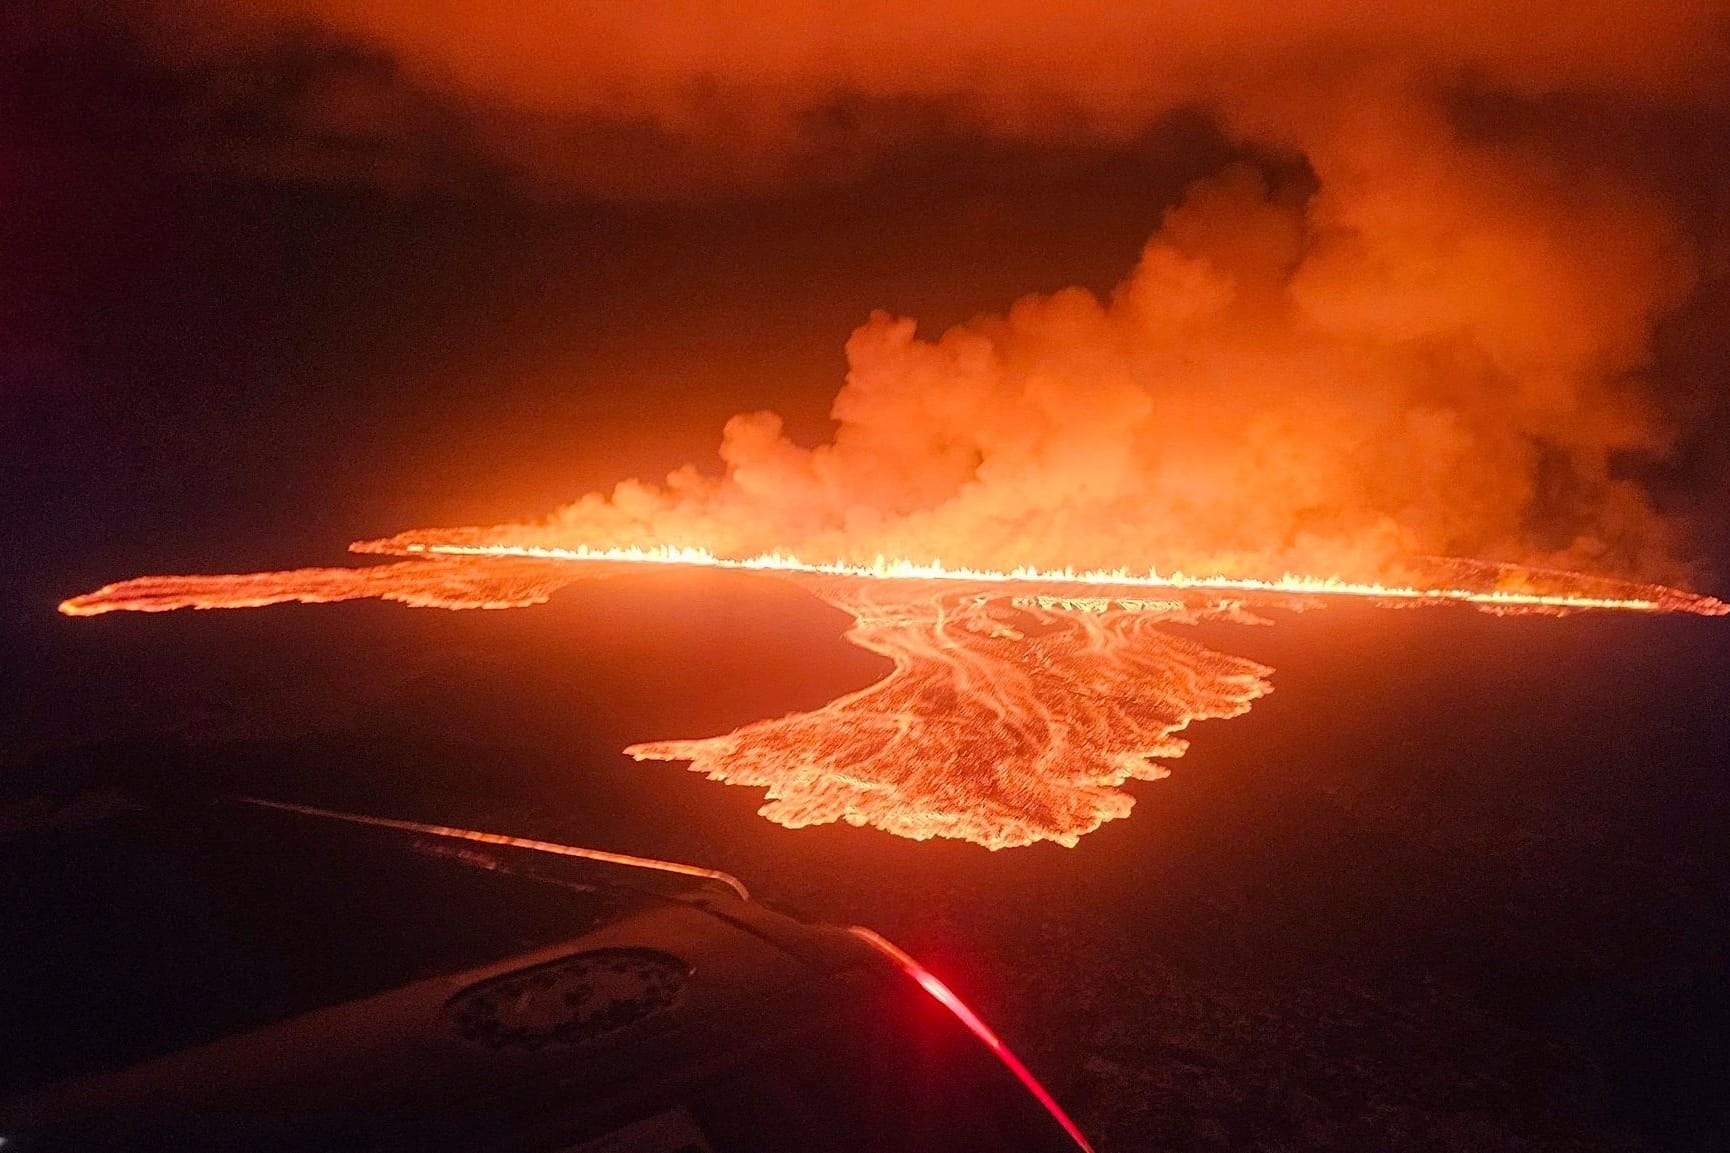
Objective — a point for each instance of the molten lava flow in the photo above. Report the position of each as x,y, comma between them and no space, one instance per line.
998,724
1018,703
437,582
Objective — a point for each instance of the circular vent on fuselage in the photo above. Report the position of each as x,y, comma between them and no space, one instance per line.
574,999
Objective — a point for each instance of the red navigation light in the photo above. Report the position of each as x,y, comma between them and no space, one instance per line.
946,996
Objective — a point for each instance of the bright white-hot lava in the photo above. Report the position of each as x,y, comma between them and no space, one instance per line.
1634,598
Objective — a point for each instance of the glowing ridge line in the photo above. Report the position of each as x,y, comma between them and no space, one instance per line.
884,568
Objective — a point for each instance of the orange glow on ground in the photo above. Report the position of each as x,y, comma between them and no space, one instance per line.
1018,703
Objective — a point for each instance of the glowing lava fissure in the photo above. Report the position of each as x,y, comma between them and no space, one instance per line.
1621,596
1017,705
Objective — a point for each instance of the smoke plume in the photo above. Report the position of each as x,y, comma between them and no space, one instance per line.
1433,350
1427,336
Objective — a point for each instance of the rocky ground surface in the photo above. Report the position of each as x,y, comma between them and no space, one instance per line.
1456,885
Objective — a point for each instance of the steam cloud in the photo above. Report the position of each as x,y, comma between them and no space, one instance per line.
1431,342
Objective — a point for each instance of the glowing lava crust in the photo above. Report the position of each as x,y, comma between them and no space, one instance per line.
1018,703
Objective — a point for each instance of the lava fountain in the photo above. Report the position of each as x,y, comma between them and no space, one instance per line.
1018,702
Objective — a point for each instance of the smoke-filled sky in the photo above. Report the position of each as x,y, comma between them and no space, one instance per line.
670,96
1348,282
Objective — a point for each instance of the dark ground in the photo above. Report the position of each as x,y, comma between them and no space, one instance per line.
1458,884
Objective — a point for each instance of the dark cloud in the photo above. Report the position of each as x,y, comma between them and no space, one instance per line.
659,97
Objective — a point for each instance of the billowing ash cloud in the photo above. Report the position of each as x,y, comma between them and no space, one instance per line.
1398,363
1435,346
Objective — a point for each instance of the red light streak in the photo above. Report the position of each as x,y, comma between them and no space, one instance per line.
946,997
